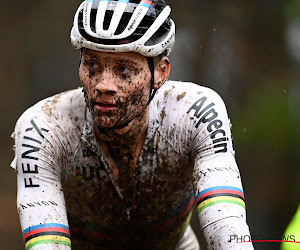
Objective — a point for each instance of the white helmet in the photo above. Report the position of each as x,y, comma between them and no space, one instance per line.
121,26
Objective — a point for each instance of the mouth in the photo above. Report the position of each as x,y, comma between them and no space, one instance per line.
105,106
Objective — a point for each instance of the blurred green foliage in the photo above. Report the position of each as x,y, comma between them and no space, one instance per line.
268,119
292,10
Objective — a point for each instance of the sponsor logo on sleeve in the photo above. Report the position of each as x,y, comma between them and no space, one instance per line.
206,114
36,204
30,146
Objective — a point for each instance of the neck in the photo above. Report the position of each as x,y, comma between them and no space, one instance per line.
128,136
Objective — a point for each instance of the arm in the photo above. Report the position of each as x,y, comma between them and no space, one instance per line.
40,199
217,182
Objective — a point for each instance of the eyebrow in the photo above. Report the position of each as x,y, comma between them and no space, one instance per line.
127,61
117,59
90,56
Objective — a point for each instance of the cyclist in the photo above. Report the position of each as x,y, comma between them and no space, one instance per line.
292,233
119,163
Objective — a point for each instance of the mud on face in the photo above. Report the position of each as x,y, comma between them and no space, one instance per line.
121,79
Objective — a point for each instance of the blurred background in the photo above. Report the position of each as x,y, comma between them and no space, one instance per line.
247,51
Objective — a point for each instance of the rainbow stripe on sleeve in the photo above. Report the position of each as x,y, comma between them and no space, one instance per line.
52,233
219,194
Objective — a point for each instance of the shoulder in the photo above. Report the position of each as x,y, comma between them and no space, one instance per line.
61,115
50,128
178,91
189,112
184,97
65,107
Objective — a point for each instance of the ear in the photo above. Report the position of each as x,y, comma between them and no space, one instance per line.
161,72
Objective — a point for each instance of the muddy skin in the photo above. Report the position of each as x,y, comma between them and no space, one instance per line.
122,151
129,90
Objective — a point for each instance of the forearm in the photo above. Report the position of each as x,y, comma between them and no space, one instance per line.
43,220
40,201
227,233
217,181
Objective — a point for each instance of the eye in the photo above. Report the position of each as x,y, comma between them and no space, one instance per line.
124,69
92,64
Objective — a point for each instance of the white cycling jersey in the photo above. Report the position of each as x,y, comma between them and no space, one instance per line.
67,191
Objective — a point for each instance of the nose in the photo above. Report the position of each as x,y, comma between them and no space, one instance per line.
106,83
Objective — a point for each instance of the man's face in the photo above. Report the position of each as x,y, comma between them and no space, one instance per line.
116,86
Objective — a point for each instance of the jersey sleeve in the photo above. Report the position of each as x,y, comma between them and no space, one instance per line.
217,182
39,161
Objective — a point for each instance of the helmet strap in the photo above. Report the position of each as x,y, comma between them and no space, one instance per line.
81,53
152,90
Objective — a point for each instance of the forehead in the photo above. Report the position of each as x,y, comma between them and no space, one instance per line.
128,56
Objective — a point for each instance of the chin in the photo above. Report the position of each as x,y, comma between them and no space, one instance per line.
106,123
